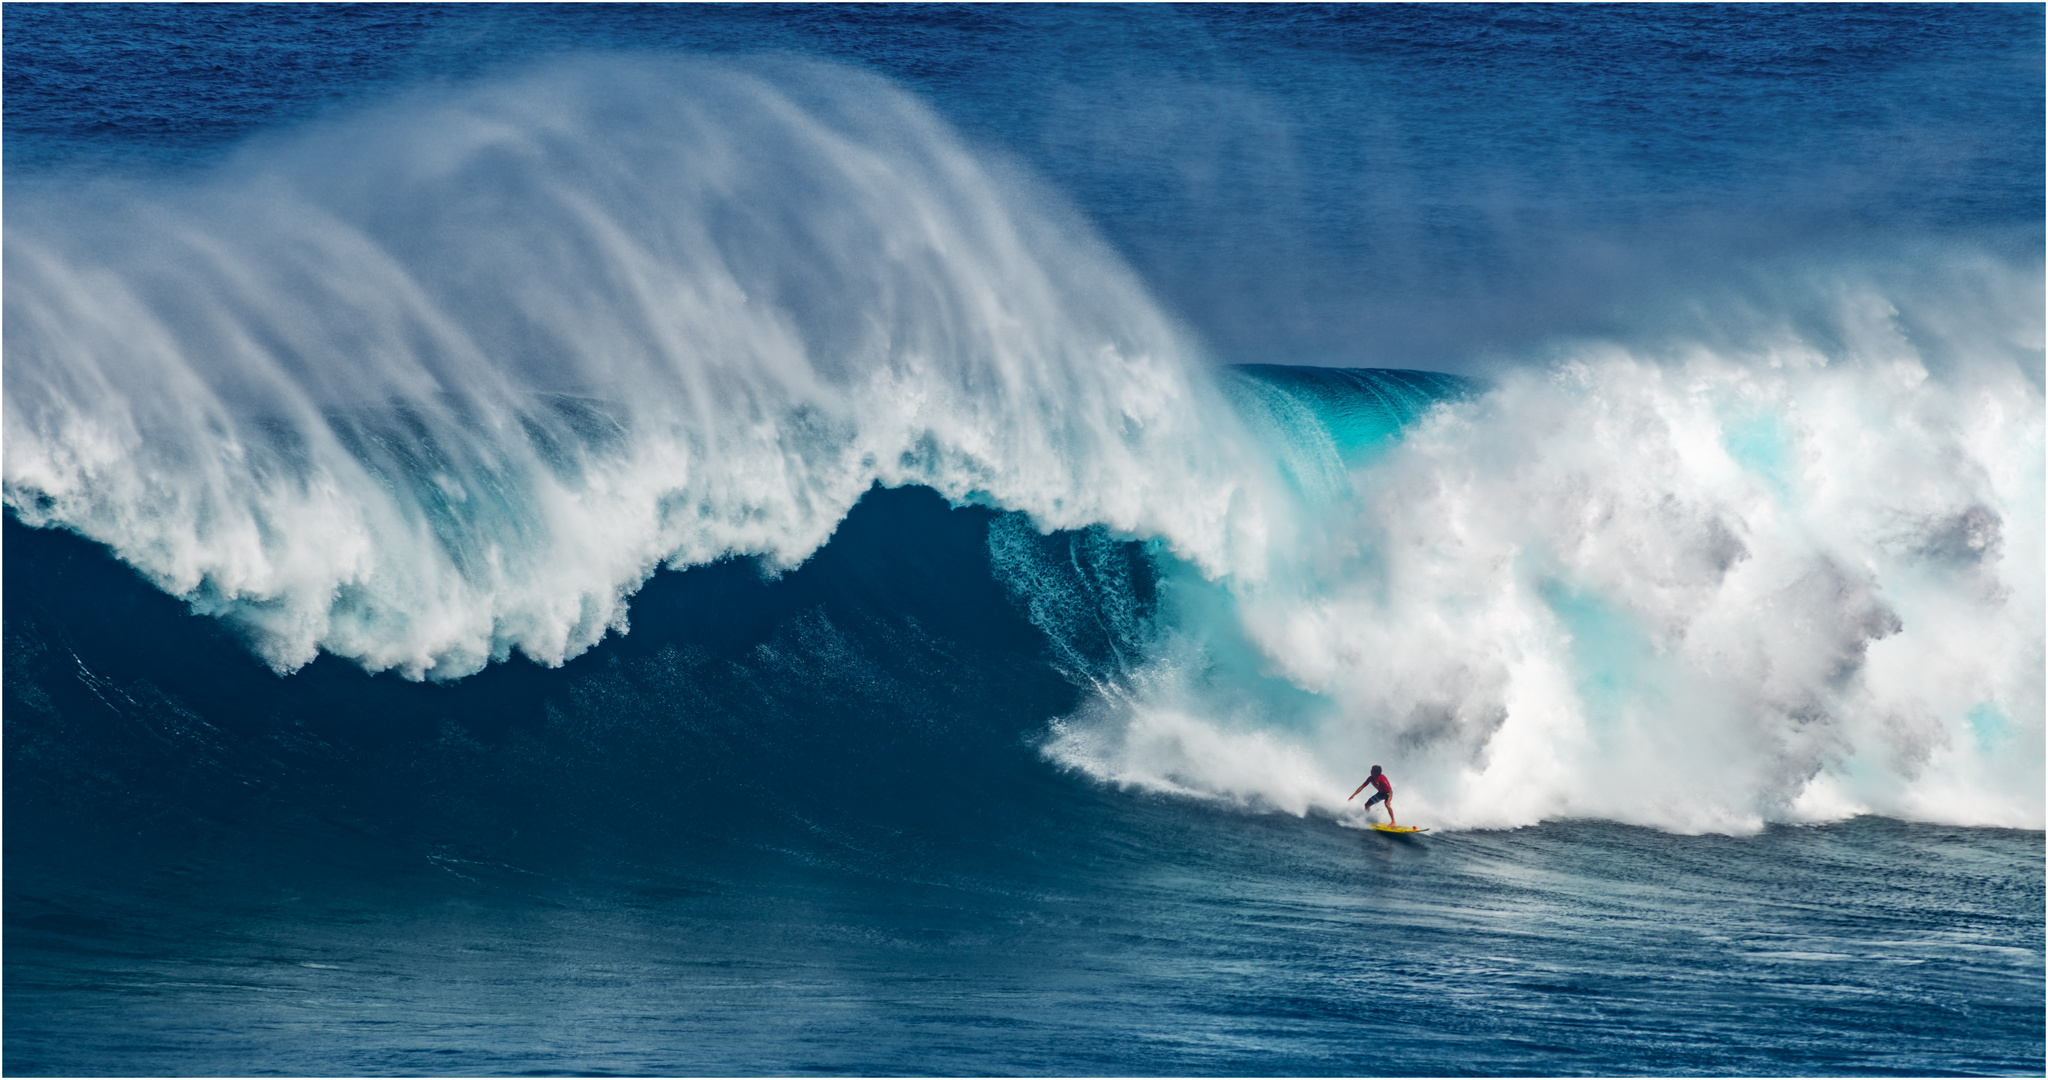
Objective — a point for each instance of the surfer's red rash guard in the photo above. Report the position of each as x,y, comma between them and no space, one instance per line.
1380,783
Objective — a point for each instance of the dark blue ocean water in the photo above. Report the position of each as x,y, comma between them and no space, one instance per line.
824,814
810,834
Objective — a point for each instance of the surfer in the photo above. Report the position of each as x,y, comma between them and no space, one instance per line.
1385,788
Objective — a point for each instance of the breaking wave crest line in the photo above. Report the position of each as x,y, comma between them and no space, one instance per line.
450,380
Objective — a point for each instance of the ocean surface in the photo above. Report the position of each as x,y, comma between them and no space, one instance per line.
791,540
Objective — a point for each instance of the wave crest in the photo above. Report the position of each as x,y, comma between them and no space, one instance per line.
451,379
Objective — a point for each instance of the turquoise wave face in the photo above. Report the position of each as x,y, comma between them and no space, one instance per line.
1358,411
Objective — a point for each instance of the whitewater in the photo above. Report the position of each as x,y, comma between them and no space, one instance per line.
730,540
460,397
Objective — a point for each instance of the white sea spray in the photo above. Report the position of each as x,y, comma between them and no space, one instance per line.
451,379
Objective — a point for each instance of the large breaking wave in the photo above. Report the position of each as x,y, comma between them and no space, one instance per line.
450,381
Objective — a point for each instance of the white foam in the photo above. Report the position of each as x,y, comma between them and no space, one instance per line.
1702,589
450,380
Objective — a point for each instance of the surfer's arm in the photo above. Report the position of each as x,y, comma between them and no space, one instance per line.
1354,794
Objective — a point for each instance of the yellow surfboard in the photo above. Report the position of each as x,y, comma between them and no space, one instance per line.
1398,828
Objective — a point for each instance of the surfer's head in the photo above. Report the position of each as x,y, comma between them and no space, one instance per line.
1375,770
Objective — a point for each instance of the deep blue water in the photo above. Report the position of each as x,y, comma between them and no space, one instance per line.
690,855
978,751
